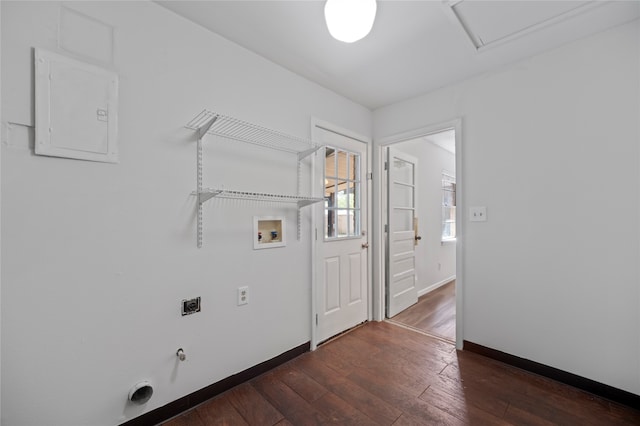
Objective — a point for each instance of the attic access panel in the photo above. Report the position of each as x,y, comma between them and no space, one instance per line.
76,109
490,22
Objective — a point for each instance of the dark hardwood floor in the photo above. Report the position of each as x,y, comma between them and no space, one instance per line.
384,374
435,313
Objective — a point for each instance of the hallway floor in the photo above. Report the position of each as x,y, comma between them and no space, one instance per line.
435,313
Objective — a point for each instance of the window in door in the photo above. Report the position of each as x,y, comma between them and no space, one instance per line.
448,206
341,194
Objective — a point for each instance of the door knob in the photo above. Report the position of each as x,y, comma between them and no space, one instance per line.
418,237
365,245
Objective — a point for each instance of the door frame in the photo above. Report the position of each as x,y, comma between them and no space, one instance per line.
378,236
316,233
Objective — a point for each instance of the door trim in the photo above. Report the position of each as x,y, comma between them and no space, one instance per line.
317,233
379,271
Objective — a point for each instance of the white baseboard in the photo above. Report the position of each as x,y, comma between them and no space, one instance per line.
435,286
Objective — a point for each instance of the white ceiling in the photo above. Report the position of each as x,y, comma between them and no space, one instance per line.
414,46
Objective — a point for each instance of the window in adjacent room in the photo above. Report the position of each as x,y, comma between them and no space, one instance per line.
448,206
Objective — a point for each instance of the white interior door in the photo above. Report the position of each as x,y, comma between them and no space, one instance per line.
341,272
401,288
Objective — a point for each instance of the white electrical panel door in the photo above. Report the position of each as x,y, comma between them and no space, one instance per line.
76,109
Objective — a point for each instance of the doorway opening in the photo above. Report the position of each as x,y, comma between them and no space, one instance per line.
430,283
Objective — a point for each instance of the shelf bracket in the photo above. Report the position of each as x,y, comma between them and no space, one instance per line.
304,203
304,154
206,195
202,130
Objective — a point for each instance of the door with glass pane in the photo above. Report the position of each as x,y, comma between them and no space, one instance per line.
342,282
401,288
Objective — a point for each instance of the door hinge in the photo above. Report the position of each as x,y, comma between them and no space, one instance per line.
370,176
386,228
386,165
316,319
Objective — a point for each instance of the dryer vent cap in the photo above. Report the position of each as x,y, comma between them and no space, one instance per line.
141,393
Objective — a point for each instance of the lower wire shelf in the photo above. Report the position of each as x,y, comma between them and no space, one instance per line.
209,193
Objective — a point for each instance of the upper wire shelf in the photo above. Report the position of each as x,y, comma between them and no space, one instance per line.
228,127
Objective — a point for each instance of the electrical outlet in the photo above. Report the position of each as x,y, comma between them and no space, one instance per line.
190,306
478,214
243,295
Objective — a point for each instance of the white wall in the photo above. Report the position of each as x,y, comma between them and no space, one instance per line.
550,146
96,257
0,230
430,252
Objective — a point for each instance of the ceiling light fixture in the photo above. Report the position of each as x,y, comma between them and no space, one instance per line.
349,20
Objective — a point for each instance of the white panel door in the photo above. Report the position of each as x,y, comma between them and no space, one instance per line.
341,274
401,288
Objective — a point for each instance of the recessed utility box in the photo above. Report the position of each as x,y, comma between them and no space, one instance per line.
268,232
76,109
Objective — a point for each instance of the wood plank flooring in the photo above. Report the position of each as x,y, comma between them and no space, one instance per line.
435,313
383,374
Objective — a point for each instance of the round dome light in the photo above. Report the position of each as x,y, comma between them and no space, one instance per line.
349,20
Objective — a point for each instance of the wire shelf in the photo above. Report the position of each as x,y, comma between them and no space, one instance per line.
208,122
209,193
232,128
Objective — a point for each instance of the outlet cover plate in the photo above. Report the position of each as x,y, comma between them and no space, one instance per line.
478,214
243,295
191,306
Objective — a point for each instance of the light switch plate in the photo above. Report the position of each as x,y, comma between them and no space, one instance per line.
478,214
